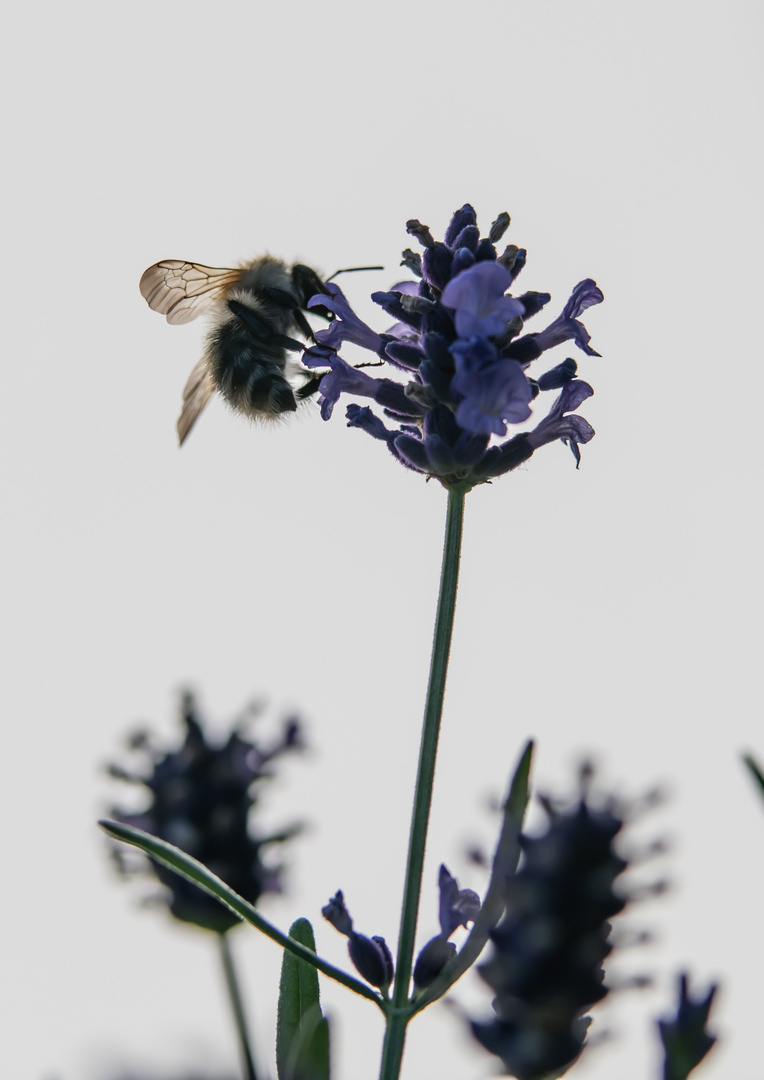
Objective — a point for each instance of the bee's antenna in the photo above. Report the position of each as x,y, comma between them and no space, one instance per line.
353,270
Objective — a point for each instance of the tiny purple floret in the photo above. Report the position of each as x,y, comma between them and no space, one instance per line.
566,325
494,390
347,326
476,296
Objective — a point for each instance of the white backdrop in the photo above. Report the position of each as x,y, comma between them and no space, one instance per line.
613,611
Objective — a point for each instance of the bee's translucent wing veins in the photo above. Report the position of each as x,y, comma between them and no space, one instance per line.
196,393
182,290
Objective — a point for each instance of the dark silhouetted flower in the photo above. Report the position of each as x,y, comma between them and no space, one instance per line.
548,949
201,800
458,337
685,1039
371,956
456,908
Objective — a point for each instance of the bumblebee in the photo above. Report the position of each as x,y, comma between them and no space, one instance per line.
255,309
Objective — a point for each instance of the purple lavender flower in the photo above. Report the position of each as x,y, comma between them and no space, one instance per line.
458,341
567,326
343,378
346,326
557,425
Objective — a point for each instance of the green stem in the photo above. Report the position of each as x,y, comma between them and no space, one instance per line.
238,1012
400,1014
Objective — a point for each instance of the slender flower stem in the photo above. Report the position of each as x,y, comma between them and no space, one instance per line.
238,1012
399,1016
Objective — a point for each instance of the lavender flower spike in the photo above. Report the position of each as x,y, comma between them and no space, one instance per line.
545,968
201,798
460,360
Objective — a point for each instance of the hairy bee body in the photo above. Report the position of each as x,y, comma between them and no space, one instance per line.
245,354
256,310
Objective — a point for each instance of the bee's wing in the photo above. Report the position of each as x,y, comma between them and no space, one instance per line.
183,290
196,393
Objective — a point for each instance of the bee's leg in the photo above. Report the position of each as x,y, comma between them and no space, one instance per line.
261,330
259,327
282,297
289,343
309,389
303,325
286,300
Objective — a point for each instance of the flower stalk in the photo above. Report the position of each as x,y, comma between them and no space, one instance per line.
234,995
399,1016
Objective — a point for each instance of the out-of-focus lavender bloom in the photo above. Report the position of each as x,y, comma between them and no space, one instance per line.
371,956
546,967
458,338
201,799
685,1039
456,908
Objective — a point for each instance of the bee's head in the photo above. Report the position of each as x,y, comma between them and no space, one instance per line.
307,283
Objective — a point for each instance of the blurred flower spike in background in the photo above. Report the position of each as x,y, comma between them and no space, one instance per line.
459,341
201,799
684,1036
548,950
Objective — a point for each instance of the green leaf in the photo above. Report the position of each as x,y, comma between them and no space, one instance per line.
517,800
190,868
302,1033
755,771
505,860
507,853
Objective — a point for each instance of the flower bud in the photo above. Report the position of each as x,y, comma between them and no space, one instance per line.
372,959
431,961
371,956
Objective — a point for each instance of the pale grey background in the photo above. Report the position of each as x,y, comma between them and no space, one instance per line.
614,610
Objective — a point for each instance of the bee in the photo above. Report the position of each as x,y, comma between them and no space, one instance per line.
255,309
